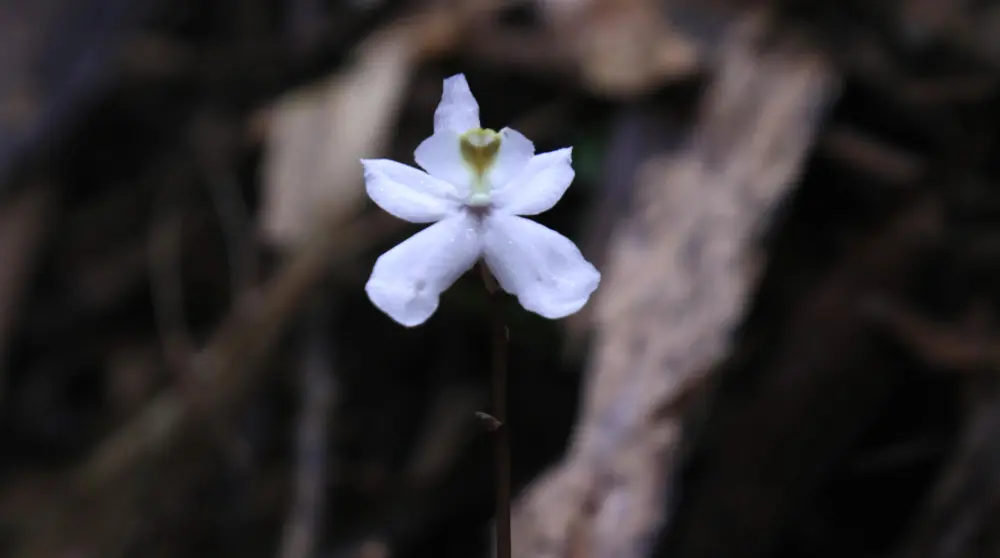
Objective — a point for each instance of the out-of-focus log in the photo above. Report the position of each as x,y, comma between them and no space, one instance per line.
675,286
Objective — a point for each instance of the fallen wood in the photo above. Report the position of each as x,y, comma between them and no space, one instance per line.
676,283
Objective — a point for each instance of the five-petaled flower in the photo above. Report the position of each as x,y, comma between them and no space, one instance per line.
477,184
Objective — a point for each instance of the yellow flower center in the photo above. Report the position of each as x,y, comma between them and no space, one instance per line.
479,147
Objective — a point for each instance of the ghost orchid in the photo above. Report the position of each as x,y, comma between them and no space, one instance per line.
475,185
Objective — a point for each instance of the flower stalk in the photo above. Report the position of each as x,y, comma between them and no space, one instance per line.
501,434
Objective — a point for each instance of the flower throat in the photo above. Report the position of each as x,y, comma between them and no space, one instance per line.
479,147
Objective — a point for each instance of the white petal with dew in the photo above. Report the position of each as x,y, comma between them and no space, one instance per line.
513,156
441,156
543,268
408,280
540,184
458,110
409,193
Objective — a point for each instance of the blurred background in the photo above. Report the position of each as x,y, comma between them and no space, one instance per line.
794,350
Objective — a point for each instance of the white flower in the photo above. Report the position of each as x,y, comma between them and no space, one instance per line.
476,185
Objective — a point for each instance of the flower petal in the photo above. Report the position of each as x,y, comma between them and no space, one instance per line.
408,280
543,268
409,193
540,184
513,156
458,110
441,156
